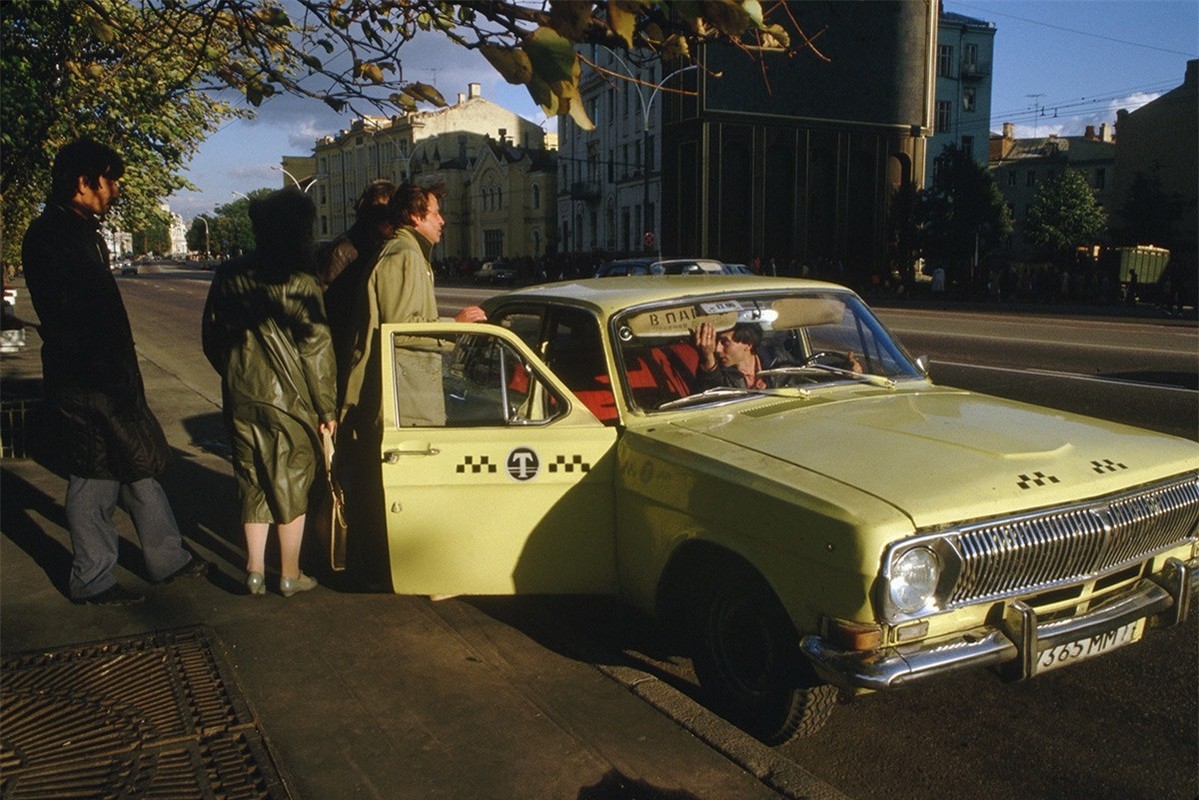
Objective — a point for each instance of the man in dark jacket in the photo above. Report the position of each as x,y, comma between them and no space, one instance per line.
112,445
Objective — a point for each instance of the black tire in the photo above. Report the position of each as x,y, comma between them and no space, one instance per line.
746,654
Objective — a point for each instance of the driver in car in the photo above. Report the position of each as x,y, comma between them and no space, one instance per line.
728,358
731,358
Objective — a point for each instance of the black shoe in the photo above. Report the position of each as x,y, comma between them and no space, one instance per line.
115,595
196,567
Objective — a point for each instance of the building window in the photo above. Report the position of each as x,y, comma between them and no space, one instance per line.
324,225
968,146
1101,178
943,113
1011,177
649,153
536,196
611,166
1031,180
493,244
970,58
945,61
968,99
499,197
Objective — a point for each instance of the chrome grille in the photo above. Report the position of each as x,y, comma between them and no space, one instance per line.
1037,551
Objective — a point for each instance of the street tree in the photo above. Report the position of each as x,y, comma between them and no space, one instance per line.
143,75
1064,216
155,236
68,74
962,216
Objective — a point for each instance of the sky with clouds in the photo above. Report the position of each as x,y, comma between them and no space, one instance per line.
1060,65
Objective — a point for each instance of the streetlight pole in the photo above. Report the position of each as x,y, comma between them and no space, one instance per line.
205,221
277,168
646,105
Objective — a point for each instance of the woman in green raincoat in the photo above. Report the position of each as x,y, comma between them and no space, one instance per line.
264,331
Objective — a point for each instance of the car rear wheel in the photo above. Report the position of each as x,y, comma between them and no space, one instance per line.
746,654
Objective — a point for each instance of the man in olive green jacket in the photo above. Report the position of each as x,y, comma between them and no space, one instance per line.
399,289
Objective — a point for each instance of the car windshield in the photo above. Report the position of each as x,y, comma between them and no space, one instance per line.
770,343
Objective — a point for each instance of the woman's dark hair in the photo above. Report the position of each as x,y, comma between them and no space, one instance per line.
84,158
411,201
283,235
377,193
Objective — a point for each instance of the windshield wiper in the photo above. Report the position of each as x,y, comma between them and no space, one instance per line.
728,392
874,380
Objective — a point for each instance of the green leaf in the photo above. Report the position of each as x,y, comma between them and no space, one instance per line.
551,55
622,19
403,102
511,63
780,36
543,96
423,91
102,30
570,18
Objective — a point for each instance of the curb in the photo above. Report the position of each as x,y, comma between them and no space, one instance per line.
772,769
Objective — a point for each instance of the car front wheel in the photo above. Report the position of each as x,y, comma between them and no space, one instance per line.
747,656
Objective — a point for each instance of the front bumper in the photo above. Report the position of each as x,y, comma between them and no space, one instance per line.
1165,599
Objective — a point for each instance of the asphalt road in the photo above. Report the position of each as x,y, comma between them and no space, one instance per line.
1123,726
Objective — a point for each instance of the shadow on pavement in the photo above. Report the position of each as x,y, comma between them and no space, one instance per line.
597,630
23,505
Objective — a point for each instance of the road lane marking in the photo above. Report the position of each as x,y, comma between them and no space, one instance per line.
1049,373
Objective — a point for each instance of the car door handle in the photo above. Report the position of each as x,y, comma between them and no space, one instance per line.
415,449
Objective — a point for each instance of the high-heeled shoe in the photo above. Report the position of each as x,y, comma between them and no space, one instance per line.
289,586
256,583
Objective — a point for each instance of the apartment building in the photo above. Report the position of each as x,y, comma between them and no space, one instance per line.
1020,166
962,94
383,147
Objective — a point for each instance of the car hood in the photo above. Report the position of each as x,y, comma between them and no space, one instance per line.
943,455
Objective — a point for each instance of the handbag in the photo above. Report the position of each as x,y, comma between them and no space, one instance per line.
336,512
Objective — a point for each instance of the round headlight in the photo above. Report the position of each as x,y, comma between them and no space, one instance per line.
914,579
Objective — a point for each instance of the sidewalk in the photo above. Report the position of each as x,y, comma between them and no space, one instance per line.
369,695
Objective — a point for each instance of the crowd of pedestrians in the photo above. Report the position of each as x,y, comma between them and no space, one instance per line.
295,337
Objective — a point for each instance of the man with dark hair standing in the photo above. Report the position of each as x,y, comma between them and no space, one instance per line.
111,442
398,289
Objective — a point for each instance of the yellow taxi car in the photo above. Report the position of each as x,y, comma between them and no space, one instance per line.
836,524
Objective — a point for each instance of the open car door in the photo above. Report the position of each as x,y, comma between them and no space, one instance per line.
496,479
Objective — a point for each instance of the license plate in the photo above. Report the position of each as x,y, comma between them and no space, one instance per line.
1100,643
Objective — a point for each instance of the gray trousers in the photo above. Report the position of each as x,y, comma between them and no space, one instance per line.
89,507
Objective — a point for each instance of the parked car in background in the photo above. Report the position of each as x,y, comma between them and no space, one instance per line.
123,266
495,272
738,269
660,266
843,526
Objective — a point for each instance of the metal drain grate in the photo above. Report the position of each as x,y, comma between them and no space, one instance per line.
156,716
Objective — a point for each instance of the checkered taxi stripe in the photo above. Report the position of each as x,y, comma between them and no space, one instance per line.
1036,479
476,465
574,464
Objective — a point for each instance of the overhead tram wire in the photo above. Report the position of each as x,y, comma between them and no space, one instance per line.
993,12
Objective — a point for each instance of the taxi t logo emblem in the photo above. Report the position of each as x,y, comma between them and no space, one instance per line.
523,464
